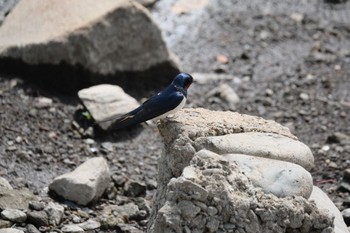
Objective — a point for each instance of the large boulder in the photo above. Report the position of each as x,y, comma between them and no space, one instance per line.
213,177
213,195
104,37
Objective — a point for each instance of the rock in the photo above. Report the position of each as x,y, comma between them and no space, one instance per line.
304,96
10,230
85,184
90,225
273,176
55,213
5,7
72,228
38,218
222,186
346,216
14,215
4,184
103,37
36,205
226,93
134,189
110,222
297,17
344,187
346,175
32,229
338,137
265,145
188,124
5,224
43,102
16,199
106,102
129,210
324,203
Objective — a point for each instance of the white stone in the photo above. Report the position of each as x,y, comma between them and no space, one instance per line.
323,202
273,176
10,230
14,215
72,228
106,102
266,145
85,184
90,225
103,36
4,184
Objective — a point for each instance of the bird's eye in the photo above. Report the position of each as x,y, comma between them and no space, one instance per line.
187,83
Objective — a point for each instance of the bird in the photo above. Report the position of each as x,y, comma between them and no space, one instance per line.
166,102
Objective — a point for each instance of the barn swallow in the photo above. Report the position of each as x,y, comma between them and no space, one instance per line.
166,102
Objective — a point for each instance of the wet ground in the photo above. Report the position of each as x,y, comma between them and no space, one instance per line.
289,62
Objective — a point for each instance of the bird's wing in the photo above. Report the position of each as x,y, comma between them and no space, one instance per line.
153,107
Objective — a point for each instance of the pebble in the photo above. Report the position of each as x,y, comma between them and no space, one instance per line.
90,224
75,219
38,218
135,189
14,215
223,59
72,228
297,17
269,92
43,102
19,139
4,184
304,96
32,229
36,205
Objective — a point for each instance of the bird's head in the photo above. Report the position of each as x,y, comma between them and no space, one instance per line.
183,80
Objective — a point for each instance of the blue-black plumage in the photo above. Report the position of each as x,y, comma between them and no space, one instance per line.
166,102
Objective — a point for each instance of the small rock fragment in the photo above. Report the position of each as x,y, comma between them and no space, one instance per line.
135,189
72,228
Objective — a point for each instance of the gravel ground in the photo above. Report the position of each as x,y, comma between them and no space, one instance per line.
289,62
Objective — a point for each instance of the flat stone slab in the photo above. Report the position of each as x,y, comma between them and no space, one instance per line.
265,145
106,102
277,177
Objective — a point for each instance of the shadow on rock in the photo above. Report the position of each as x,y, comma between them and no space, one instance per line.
67,79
